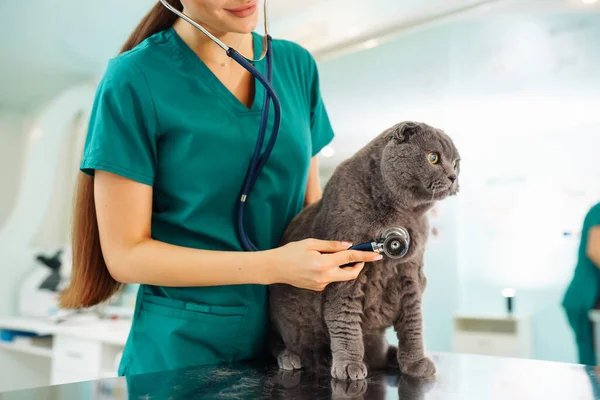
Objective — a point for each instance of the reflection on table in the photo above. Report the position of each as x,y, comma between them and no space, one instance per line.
459,377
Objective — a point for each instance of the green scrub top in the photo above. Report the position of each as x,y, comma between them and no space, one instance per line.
162,118
581,295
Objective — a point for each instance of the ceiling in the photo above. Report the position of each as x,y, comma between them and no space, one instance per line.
49,45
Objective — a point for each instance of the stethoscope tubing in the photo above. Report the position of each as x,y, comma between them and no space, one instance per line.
258,161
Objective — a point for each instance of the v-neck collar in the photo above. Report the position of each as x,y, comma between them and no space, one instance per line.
208,76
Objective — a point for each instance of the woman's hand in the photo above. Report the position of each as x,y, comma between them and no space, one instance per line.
313,264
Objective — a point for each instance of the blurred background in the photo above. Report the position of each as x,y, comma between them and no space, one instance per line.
515,83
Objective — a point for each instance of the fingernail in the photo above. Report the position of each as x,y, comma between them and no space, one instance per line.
347,244
378,257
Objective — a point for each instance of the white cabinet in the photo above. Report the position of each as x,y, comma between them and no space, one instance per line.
79,357
75,359
74,352
505,336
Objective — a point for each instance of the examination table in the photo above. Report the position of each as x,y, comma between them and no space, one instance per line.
460,376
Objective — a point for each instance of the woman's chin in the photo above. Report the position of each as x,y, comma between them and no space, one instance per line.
243,26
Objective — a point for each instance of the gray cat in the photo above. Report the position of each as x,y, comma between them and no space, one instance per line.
393,181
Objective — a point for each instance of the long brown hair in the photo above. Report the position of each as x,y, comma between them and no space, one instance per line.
91,282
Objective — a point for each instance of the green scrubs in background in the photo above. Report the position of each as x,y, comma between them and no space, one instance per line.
582,294
162,118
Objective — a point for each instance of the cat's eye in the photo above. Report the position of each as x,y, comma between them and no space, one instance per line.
455,164
433,158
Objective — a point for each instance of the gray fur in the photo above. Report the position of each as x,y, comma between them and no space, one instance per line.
388,183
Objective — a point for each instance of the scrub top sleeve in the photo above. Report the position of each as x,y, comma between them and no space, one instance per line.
122,131
592,218
321,130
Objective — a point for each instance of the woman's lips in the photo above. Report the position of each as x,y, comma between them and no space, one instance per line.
243,12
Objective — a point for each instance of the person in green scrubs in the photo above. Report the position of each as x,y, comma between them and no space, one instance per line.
582,293
171,134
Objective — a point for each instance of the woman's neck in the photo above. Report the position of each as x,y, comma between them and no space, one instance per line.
206,49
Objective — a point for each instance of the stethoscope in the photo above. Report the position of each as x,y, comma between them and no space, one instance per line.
393,243
258,161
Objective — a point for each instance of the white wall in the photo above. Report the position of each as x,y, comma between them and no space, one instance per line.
61,43
39,220
520,95
12,151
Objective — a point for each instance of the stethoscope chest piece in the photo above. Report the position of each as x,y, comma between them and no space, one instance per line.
394,243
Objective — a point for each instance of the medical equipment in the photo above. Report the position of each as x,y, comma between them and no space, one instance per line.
509,295
258,161
394,243
38,294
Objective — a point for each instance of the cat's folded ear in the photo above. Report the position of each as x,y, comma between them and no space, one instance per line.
404,130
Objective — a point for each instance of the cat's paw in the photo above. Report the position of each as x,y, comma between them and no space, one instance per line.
424,368
353,370
348,389
413,388
288,360
289,379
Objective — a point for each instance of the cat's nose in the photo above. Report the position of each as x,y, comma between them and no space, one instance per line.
452,178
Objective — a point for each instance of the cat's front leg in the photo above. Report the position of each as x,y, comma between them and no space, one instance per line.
409,329
343,316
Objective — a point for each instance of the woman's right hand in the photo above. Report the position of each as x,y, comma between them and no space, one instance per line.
313,264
